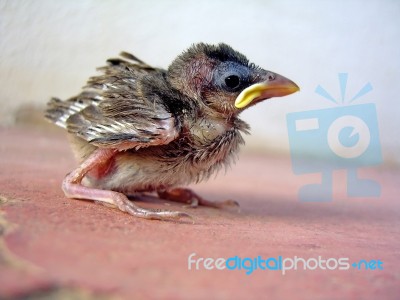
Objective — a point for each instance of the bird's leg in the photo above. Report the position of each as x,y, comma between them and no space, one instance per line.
73,188
192,199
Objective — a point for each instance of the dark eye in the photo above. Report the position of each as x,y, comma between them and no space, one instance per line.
231,77
232,81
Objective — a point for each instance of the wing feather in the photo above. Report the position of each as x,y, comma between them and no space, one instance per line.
113,112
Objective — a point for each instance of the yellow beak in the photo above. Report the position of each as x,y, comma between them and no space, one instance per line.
277,87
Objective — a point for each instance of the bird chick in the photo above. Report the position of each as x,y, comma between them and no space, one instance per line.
137,129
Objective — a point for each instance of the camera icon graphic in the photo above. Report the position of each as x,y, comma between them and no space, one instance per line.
342,137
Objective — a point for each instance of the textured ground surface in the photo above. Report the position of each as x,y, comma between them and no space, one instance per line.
55,247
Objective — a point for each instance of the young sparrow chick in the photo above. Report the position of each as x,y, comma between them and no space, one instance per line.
136,128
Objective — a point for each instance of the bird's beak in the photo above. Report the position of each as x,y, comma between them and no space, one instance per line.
275,86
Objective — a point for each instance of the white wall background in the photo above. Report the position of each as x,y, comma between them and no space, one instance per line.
49,48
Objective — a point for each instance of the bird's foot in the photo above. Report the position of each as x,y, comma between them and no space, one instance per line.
124,204
193,200
119,200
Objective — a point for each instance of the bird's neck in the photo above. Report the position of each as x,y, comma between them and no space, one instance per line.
207,128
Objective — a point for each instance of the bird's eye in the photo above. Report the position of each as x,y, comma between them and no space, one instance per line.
231,77
232,81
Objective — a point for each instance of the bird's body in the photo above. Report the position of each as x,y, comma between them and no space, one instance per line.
138,129
192,157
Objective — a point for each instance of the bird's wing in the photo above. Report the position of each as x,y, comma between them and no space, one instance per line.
112,111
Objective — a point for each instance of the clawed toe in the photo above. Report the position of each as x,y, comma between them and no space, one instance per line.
228,204
155,214
194,200
166,215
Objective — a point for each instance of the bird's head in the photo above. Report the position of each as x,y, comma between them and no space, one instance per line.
224,80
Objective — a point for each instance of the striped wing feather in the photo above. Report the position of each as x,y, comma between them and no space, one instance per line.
112,111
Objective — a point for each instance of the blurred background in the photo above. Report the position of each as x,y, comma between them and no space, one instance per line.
50,48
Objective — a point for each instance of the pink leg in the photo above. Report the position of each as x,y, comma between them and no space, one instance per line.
191,198
73,188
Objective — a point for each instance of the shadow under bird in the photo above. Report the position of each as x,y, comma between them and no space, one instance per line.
137,129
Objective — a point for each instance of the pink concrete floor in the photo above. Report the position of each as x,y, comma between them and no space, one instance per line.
52,246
